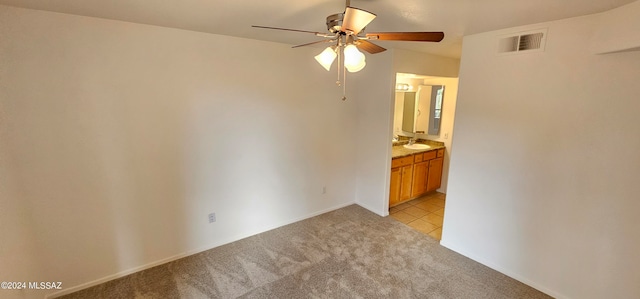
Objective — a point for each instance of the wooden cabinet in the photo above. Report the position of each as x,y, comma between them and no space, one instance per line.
413,176
405,182
396,181
401,178
399,162
419,184
434,179
429,155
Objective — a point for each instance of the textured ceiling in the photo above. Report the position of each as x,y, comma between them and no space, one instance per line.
455,18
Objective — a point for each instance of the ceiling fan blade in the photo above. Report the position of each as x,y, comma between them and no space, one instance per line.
407,36
285,29
356,19
313,43
370,47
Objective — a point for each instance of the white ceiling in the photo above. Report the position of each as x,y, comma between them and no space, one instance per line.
455,18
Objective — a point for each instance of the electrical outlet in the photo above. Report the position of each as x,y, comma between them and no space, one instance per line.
212,217
324,189
446,135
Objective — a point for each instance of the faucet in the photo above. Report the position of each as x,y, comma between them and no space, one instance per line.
412,140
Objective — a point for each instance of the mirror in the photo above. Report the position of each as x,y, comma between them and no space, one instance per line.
421,110
409,112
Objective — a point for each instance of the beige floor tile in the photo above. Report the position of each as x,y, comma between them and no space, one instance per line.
428,206
430,200
439,195
433,197
393,210
403,206
422,226
438,202
419,200
427,196
436,233
403,217
415,211
439,212
424,214
433,219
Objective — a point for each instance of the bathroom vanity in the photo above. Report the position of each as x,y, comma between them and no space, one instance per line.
415,172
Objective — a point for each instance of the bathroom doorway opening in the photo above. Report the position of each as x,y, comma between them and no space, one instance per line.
415,99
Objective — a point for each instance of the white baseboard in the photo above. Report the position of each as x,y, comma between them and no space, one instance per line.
373,209
187,253
493,266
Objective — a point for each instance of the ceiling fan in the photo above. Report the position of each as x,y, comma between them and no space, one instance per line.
346,33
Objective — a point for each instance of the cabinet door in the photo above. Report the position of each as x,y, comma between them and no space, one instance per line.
405,184
435,174
394,190
420,171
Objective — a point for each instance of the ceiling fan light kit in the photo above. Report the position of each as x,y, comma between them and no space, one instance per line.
327,57
346,31
354,60
355,20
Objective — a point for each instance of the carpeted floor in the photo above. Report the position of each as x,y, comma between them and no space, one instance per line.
347,253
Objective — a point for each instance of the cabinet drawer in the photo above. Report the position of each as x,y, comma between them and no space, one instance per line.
429,155
417,158
398,162
440,153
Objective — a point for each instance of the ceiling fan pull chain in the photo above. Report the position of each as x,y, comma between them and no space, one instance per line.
339,56
344,84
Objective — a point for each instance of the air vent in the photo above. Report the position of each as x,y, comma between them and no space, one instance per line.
531,41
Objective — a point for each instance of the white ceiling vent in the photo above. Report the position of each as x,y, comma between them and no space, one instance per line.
530,41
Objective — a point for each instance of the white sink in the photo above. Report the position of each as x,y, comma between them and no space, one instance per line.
416,146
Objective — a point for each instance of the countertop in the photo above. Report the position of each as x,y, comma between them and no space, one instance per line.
398,151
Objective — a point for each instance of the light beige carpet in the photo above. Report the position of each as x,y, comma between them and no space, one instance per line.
347,253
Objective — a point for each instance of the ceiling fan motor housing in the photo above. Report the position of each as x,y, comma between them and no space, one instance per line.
334,22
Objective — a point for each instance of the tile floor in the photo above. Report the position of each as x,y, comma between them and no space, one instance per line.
424,214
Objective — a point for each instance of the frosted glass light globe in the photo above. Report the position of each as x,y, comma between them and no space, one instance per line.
326,58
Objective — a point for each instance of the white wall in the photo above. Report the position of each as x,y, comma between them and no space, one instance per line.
18,258
544,175
375,93
618,30
123,137
405,61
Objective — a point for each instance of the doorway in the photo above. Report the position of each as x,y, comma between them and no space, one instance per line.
425,213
